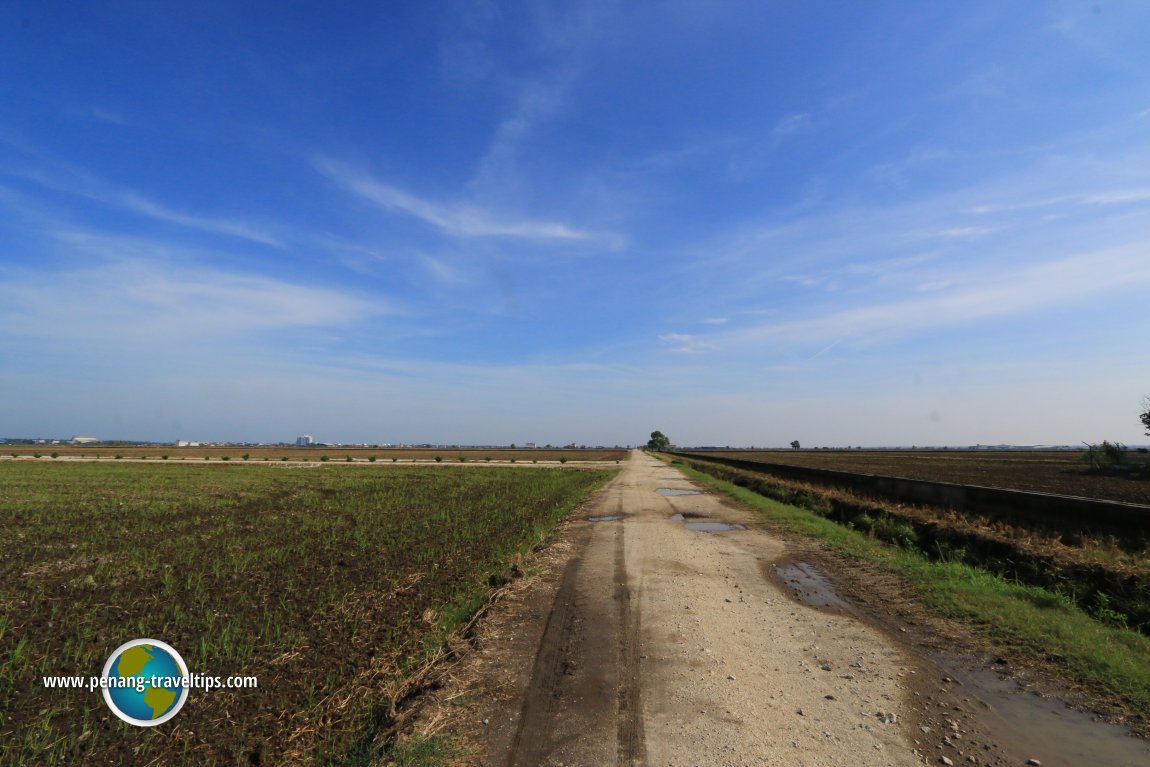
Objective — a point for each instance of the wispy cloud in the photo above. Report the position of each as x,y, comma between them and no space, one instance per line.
683,343
456,219
791,124
132,299
982,295
108,116
81,184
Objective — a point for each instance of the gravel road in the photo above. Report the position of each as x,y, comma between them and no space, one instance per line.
665,645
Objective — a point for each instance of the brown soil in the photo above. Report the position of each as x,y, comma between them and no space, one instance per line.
1043,471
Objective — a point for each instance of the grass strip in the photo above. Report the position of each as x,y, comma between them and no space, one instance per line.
1033,621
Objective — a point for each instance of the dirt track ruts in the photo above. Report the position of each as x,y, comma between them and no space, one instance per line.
667,646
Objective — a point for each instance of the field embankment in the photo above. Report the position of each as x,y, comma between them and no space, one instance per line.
329,586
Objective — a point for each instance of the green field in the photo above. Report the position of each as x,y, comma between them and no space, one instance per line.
329,586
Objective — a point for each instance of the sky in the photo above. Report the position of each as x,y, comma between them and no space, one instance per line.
738,222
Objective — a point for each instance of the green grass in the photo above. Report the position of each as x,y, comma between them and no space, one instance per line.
328,585
1033,621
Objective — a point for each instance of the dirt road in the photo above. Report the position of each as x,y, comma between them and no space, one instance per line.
666,645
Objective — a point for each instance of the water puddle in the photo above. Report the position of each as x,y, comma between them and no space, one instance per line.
1047,729
806,584
682,515
1025,724
608,518
712,527
677,491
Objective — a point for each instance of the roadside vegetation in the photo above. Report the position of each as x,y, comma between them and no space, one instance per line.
333,587
1090,642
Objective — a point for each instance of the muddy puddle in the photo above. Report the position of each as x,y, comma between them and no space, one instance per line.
607,518
1024,724
1046,729
680,516
677,491
712,527
806,584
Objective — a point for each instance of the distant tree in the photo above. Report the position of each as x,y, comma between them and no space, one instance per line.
795,445
658,441
1146,414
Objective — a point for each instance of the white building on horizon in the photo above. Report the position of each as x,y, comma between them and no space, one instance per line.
306,440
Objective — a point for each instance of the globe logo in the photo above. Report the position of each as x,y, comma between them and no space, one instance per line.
145,682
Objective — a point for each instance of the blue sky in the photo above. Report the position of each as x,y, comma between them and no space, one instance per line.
480,222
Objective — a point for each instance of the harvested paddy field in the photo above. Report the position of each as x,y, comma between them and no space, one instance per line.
1062,472
329,586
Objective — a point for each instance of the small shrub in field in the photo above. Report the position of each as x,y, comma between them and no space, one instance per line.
439,459
393,460
488,459
266,458
562,459
164,457
227,458
37,455
371,458
284,458
12,454
55,455
1104,456
143,457
207,458
513,460
463,459
348,459
118,456
324,458
534,461
247,456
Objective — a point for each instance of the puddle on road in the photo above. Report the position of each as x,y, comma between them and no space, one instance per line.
682,515
1048,729
1025,724
608,518
677,491
712,527
805,583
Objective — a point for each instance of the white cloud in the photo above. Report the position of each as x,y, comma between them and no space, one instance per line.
458,219
683,343
108,116
791,124
75,182
133,300
443,271
962,232
981,295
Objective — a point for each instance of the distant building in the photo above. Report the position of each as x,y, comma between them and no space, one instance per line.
306,440
84,440
186,443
